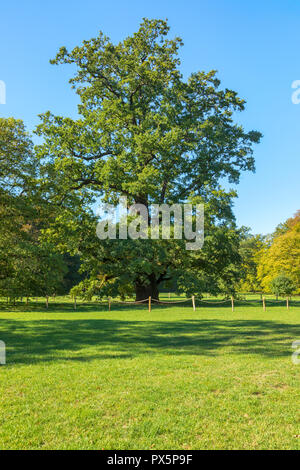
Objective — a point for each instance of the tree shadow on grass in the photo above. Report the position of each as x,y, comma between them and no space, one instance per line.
36,341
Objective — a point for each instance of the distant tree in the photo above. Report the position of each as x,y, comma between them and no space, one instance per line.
28,267
250,247
17,170
282,286
281,255
36,270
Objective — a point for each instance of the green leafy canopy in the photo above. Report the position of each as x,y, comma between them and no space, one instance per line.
143,131
146,133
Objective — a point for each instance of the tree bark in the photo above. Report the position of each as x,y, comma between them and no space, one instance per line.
144,291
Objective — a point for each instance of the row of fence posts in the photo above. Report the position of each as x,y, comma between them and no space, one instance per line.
193,303
264,303
232,303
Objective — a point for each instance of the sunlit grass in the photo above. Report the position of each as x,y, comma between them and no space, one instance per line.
130,379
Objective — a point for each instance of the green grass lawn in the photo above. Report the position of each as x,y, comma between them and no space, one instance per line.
130,379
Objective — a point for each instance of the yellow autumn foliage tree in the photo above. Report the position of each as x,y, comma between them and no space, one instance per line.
281,255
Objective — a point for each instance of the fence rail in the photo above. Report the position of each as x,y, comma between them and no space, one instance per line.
234,302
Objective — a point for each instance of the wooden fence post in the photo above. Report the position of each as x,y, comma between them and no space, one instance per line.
232,303
264,303
149,304
193,300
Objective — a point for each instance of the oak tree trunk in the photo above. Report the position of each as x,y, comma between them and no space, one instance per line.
144,291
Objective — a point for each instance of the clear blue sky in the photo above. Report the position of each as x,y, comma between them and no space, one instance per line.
253,44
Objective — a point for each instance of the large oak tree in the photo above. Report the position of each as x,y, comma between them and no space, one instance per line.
143,132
